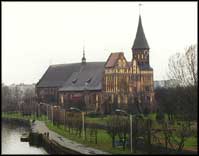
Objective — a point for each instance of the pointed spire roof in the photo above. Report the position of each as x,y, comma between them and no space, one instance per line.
83,58
140,41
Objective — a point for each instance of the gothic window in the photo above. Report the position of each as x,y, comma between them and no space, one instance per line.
118,100
62,99
96,98
124,63
119,62
112,98
148,98
147,88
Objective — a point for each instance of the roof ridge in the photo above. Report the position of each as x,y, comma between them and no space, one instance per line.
53,65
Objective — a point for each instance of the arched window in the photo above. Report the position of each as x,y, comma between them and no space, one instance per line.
62,99
119,62
118,99
126,99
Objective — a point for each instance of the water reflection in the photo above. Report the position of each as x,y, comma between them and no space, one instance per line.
11,143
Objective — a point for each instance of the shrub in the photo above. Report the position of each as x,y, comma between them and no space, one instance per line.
160,116
146,111
94,114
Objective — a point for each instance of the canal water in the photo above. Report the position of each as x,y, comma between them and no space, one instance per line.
10,141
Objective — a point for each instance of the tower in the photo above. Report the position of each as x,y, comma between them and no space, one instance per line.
144,81
140,48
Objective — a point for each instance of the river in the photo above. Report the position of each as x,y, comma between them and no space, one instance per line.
11,144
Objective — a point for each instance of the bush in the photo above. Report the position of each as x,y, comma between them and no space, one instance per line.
160,116
146,111
94,114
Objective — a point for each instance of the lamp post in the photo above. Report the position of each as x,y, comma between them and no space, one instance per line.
130,117
85,96
52,113
83,122
47,111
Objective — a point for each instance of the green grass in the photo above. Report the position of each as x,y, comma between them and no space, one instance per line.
152,116
191,142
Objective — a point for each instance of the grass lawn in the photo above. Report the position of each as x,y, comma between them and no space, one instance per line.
98,120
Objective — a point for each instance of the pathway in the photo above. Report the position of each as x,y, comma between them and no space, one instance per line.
40,127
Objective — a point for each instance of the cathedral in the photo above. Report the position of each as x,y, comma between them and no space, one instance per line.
103,86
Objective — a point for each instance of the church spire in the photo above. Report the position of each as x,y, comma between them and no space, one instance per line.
139,8
140,41
83,58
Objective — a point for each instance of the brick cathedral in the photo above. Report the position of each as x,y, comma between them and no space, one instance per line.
102,86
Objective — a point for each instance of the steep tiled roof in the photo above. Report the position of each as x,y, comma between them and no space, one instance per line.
56,75
62,76
89,77
140,41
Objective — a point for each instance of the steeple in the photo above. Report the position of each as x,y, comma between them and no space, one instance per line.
83,58
140,41
140,49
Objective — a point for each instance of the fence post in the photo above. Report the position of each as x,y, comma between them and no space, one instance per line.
83,130
131,132
47,110
35,110
52,113
64,119
38,109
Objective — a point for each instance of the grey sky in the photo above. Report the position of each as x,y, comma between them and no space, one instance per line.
37,34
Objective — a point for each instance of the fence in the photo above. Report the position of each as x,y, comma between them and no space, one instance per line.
144,135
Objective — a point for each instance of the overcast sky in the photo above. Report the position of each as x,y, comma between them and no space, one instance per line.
37,34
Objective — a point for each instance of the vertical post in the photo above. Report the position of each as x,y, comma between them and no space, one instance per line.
52,113
35,110
131,131
83,129
47,111
64,119
38,109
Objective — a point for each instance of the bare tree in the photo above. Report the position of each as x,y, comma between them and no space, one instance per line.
191,63
6,98
183,67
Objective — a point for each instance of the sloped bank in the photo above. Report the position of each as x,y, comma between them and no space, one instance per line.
51,146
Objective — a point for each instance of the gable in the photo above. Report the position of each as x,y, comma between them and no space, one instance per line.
116,59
